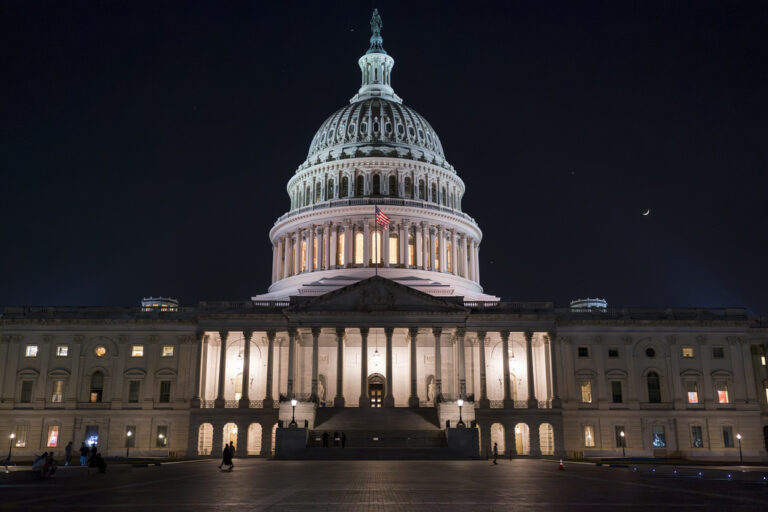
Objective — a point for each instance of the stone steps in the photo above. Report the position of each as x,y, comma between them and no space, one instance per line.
373,438
376,419
381,454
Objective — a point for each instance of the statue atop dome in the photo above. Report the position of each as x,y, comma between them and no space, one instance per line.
376,23
376,40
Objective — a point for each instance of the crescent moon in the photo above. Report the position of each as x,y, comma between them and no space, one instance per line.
647,212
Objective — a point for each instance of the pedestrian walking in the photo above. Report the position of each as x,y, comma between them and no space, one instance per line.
231,454
68,454
325,439
495,453
343,439
83,455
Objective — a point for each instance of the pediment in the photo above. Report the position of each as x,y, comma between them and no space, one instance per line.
378,294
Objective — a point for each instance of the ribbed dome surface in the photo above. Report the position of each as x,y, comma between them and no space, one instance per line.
376,121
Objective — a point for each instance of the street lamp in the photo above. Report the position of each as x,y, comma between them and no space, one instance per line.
623,444
10,447
292,424
460,424
128,435
741,457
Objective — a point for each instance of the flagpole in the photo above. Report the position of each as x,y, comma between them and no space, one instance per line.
375,232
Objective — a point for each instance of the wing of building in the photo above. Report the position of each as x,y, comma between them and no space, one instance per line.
378,327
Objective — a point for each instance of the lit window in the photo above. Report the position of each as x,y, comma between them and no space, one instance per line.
411,250
165,391
589,436
583,351
303,262
162,436
376,248
728,437
21,432
31,351
762,360
100,351
53,436
721,390
658,438
718,353
57,395
137,351
97,387
586,391
437,253
340,249
359,242
167,351
448,256
394,250
697,439
692,392
315,255
688,352
62,351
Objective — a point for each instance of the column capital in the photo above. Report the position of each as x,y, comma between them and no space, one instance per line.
200,335
247,335
437,331
293,332
223,335
461,332
316,331
528,335
413,332
389,331
340,331
271,334
481,337
364,331
504,335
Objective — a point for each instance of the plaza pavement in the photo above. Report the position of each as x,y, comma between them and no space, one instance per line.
258,484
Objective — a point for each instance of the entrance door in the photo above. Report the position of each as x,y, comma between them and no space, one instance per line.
376,390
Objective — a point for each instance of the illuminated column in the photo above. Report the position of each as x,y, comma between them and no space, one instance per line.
437,332
424,246
338,400
333,247
364,399
532,402
443,249
308,252
315,343
196,401
413,400
288,261
291,361
269,400
367,244
326,246
389,399
454,254
220,402
471,263
245,400
274,262
556,403
296,252
484,402
403,241
464,270
384,246
460,332
280,252
477,261
432,236
348,242
317,247
508,401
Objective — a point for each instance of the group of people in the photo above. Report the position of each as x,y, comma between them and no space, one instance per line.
226,457
338,440
88,457
44,464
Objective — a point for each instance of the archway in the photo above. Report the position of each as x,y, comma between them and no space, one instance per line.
522,439
377,383
546,439
497,436
229,435
205,439
254,439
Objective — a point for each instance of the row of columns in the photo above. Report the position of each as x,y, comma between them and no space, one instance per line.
331,246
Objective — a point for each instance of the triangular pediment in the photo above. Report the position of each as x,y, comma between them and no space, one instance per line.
378,294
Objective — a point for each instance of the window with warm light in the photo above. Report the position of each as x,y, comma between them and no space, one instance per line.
687,352
62,350
97,387
340,248
303,262
315,253
589,436
100,351
721,391
137,351
762,360
162,436
359,247
167,351
376,247
692,392
448,257
57,392
31,351
53,436
411,250
437,253
586,391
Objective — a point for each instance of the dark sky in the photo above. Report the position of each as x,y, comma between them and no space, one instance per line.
145,146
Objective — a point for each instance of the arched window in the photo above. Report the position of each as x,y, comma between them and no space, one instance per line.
97,387
359,187
392,186
318,192
329,190
376,184
422,191
434,193
344,187
654,388
359,244
408,188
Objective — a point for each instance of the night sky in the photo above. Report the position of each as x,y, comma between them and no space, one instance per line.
145,146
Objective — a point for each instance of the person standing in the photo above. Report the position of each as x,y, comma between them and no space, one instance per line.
495,453
325,439
343,439
83,454
68,454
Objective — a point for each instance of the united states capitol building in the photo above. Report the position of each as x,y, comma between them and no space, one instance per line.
382,330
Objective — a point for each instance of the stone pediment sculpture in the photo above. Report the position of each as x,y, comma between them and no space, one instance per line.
378,294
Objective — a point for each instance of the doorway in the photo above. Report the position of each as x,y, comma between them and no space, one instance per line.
376,390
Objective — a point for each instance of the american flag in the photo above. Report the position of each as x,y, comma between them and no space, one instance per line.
381,218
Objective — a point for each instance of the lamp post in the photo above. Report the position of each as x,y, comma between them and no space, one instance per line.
460,403
623,445
128,435
10,447
292,424
741,457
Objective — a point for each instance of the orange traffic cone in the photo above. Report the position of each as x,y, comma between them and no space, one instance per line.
562,466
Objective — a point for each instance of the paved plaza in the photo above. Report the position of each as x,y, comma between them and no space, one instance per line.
258,484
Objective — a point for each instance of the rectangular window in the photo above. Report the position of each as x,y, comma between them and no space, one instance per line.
359,242
687,352
340,249
394,251
53,436
728,437
92,435
21,431
165,391
613,352
718,353
376,249
437,253
167,351
620,439
57,394
133,391
303,261
412,252
583,351
162,436
692,392
697,439
448,257
62,350
315,255
137,351
130,436
31,351
659,440
762,360
26,391
586,391
589,436
721,390
616,391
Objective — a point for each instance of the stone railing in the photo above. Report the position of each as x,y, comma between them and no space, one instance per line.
654,313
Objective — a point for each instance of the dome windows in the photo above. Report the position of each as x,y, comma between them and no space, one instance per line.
400,130
411,132
364,128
